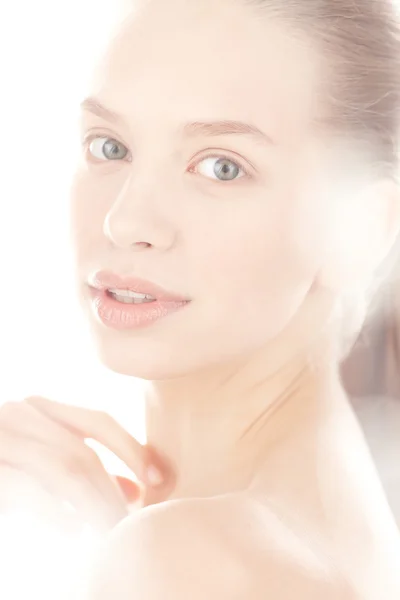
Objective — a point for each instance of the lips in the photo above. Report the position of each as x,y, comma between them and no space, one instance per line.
105,280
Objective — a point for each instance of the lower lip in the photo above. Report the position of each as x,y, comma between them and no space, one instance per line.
120,315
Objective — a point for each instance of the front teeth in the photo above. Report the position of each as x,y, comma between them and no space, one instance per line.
129,296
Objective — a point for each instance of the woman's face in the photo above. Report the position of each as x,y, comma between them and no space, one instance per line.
245,243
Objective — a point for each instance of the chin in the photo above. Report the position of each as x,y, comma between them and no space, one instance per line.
146,359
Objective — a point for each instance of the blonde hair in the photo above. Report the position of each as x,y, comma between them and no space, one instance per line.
359,45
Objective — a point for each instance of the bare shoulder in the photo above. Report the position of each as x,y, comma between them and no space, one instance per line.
221,548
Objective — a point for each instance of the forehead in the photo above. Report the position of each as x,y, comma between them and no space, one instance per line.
181,60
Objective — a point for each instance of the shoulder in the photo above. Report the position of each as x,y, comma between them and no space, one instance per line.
178,549
216,548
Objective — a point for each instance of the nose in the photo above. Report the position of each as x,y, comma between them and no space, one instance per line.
133,223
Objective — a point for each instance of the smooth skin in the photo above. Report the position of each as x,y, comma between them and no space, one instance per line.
275,494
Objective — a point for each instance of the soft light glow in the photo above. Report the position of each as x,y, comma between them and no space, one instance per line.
48,49
37,561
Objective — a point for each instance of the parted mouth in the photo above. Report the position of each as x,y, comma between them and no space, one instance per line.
132,287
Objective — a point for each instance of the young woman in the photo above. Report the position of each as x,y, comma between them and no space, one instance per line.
234,199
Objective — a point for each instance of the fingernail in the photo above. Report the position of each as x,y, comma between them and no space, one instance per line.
154,476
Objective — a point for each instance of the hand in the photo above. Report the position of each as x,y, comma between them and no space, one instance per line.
45,461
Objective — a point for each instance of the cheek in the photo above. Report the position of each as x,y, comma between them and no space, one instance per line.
278,250
259,270
88,207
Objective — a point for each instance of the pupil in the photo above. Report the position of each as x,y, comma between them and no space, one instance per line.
224,167
111,148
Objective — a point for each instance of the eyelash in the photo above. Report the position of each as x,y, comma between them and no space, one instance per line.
89,139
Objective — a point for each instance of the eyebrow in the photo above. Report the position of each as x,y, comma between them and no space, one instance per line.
205,128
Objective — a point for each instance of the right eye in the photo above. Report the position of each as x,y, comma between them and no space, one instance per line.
105,148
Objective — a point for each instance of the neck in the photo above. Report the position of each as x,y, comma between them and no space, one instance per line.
216,429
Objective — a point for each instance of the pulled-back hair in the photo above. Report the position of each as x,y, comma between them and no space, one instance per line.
358,42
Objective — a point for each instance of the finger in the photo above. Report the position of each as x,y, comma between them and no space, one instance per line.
61,476
130,489
27,421
102,428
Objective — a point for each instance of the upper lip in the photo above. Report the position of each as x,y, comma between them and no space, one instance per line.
104,280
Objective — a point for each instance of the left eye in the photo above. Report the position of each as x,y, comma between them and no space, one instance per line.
221,168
